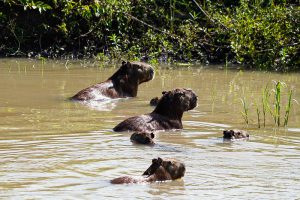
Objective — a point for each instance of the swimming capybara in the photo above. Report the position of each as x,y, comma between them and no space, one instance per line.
159,170
123,83
166,115
235,134
142,138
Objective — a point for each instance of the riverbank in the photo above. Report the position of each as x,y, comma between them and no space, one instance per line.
258,35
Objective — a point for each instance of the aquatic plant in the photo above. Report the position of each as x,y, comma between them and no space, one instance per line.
288,107
258,115
245,111
272,106
265,103
277,103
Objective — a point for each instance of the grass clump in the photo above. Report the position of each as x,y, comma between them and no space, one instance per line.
273,106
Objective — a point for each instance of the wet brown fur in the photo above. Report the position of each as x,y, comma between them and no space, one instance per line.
142,138
235,134
166,115
159,170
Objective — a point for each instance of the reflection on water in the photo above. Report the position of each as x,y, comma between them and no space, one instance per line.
54,148
101,105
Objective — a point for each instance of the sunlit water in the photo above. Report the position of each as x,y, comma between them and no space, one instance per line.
53,148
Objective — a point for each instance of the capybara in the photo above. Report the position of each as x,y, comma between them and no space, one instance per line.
123,83
235,134
159,170
166,115
142,138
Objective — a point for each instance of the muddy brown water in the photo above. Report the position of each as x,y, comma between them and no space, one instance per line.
53,148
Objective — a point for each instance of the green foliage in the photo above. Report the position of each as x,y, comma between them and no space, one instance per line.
39,5
264,37
261,34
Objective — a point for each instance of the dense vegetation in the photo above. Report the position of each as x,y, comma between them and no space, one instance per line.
261,34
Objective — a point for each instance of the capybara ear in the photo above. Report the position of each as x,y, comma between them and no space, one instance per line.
156,163
152,135
159,160
124,66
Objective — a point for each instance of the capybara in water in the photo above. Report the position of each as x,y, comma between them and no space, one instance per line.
159,170
166,115
123,83
142,138
235,134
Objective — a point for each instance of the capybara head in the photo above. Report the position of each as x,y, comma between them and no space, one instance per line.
142,138
235,134
135,72
185,99
176,101
165,169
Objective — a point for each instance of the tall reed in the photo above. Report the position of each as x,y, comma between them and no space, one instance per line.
258,116
245,110
277,93
274,107
265,103
288,108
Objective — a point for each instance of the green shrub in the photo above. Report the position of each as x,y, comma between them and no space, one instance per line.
261,34
264,38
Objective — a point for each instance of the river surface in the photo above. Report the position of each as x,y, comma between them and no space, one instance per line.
51,148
